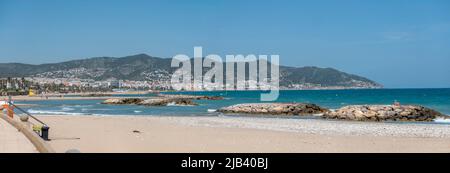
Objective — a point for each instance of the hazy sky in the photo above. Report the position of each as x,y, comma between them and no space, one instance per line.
399,43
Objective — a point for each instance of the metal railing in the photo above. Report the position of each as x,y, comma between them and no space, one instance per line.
44,129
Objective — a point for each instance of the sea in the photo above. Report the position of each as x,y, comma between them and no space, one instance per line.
438,99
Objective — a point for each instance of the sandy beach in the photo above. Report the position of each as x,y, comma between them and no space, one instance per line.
240,134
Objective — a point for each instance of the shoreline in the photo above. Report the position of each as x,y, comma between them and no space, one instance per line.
240,134
37,98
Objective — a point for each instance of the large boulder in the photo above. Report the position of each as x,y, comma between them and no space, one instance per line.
384,112
275,109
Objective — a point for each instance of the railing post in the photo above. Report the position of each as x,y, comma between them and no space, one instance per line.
44,132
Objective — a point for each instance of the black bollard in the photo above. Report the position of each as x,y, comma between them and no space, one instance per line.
44,132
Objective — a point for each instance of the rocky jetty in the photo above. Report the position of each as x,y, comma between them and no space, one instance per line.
167,101
96,95
275,109
384,112
162,100
150,102
120,101
194,97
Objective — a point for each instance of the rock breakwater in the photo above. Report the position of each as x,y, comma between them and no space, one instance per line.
150,102
275,109
194,97
162,100
384,112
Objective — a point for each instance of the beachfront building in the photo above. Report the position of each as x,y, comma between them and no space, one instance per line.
14,86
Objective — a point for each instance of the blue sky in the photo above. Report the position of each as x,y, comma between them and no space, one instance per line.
399,43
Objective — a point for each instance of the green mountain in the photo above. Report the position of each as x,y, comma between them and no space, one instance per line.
145,67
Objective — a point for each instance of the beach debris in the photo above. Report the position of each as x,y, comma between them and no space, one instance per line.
136,131
275,109
384,112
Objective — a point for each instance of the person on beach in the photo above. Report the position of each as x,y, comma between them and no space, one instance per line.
396,103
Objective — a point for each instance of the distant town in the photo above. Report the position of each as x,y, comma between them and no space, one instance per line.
37,85
43,85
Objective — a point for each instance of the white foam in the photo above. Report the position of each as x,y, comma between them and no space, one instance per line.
174,104
86,109
171,104
67,109
136,111
53,112
212,110
107,115
77,106
442,120
82,106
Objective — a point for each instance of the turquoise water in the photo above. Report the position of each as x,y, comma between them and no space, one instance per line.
438,99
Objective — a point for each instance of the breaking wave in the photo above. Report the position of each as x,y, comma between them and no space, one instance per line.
67,109
54,112
442,120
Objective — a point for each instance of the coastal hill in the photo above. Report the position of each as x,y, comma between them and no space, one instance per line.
144,67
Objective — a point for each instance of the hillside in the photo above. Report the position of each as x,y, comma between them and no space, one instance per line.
145,67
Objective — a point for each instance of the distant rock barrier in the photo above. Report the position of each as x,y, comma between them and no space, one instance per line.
194,97
150,102
275,109
96,95
167,101
384,112
162,100
120,101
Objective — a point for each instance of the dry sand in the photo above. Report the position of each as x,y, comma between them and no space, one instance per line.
240,134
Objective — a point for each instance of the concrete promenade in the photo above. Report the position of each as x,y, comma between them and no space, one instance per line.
13,141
